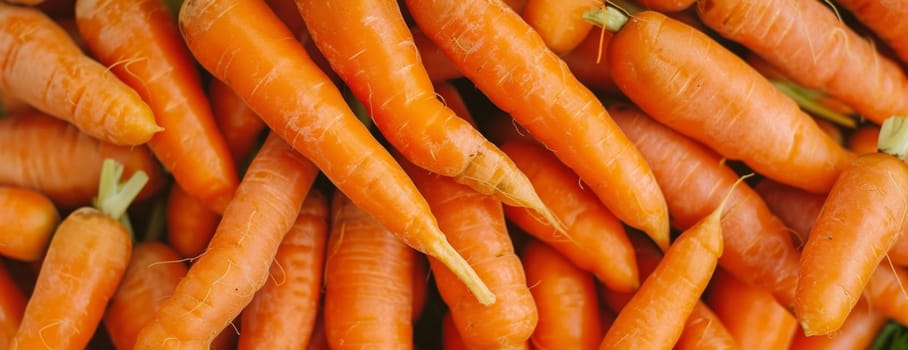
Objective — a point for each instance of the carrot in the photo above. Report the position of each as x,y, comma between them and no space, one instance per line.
236,264
52,157
594,240
240,126
438,66
12,306
680,77
378,65
589,65
666,5
141,43
368,282
190,225
502,55
566,298
450,336
152,274
858,332
282,313
475,225
420,286
797,208
48,71
886,292
244,45
885,19
807,41
559,23
86,260
863,140
758,247
751,314
27,220
286,10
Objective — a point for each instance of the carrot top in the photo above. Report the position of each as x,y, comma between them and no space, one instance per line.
114,196
893,139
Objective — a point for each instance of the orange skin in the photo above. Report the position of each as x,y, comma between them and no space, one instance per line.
797,208
501,54
48,70
751,314
758,247
85,262
595,240
236,264
241,127
475,225
559,22
27,221
566,298
282,313
864,139
885,292
858,332
682,85
437,65
319,341
368,282
12,306
450,336
829,286
587,62
667,5
806,41
35,149
315,119
153,273
885,19
190,224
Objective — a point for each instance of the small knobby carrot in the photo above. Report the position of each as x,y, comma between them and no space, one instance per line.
141,43
560,23
151,276
680,76
807,41
190,224
858,332
12,306
27,221
509,62
240,126
45,68
750,313
368,282
54,158
86,260
282,313
236,264
244,44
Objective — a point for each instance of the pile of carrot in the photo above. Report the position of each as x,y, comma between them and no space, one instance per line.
453,174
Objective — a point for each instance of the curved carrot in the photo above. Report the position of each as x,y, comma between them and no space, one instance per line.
751,314
12,306
594,239
190,225
27,221
368,282
46,69
680,77
510,63
314,118
587,62
236,264
141,43
858,332
560,23
151,276
240,126
54,158
812,46
282,313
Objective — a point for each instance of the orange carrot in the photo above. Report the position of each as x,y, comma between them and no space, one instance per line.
141,43
807,41
560,23
282,313
151,276
190,224
240,126
54,158
236,264
751,314
450,336
566,298
797,208
886,292
244,45
12,306
27,221
319,341
667,5
368,282
502,55
680,77
46,69
437,65
594,239
858,332
864,139
588,63
885,19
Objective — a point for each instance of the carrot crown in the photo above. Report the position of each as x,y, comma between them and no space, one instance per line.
893,139
608,17
114,197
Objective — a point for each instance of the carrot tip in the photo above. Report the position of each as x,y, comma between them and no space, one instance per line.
444,252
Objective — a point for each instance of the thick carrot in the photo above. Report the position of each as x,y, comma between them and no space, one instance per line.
858,332
282,313
812,46
190,225
27,221
566,298
244,45
560,23
141,43
682,78
368,282
236,264
46,69
12,306
153,273
54,158
240,126
588,63
508,61
594,239
751,314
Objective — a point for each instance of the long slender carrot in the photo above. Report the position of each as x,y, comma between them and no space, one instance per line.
224,279
244,45
858,332
12,306
751,314
560,23
54,158
27,221
190,225
812,46
240,126
282,313
141,43
681,77
46,69
510,63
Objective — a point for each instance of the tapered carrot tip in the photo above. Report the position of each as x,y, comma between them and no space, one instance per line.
447,255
